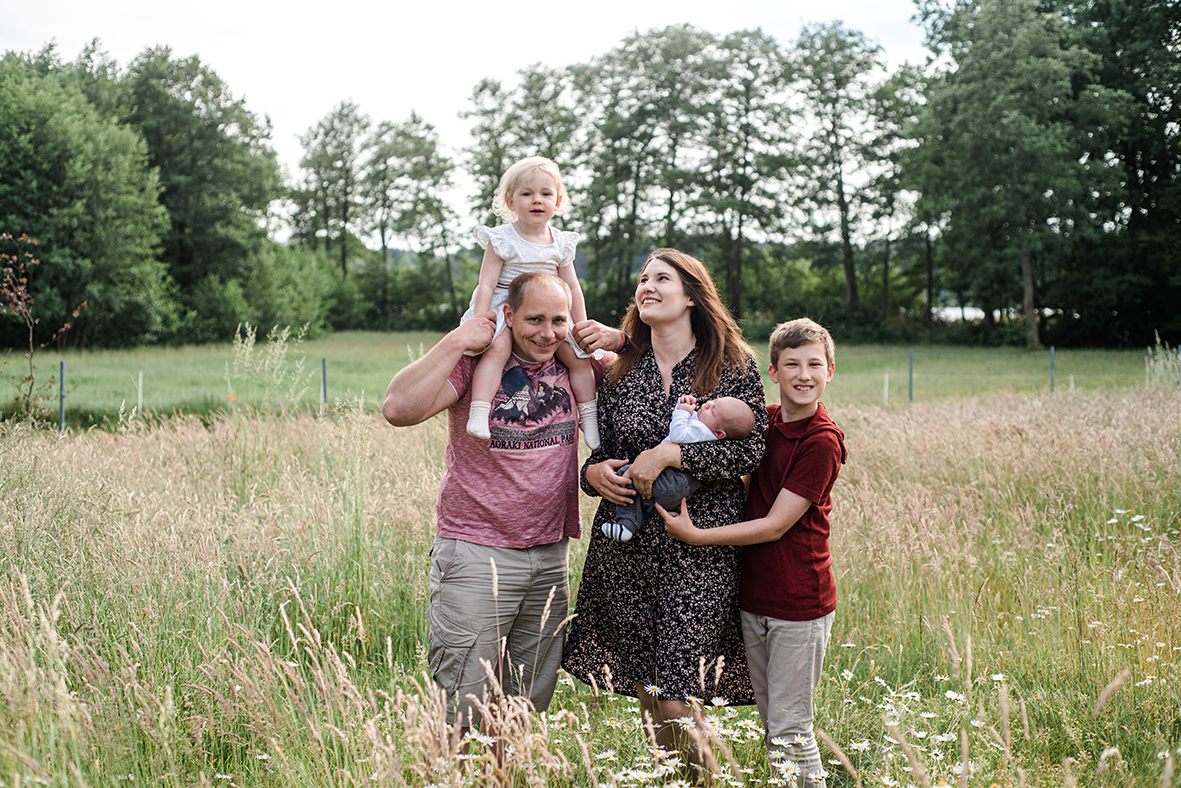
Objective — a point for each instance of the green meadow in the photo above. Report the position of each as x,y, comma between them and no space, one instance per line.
194,379
239,599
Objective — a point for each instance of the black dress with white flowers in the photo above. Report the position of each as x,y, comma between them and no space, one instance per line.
656,611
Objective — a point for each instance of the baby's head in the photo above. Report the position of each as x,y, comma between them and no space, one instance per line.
728,417
523,172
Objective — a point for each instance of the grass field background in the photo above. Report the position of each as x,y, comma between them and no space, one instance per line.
192,379
240,599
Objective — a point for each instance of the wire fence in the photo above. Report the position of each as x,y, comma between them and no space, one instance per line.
891,376
866,375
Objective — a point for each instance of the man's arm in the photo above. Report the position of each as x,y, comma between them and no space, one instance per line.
421,389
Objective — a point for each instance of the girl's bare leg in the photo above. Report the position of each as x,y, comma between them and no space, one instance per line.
485,382
582,381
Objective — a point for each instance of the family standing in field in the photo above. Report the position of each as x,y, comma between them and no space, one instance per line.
708,574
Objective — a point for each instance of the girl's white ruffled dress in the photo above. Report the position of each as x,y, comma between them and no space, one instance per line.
520,257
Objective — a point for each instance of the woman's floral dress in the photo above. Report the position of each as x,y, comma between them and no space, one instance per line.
656,611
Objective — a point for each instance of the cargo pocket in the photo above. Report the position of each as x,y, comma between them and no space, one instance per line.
450,649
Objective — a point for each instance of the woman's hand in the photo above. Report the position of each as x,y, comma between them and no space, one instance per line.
591,335
679,524
646,467
614,488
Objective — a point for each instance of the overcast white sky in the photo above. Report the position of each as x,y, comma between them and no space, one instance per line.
296,61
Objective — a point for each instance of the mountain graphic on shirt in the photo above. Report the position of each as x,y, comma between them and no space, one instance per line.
528,402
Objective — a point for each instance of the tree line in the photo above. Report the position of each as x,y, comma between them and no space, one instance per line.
1030,170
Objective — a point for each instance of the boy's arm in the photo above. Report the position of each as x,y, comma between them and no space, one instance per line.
785,512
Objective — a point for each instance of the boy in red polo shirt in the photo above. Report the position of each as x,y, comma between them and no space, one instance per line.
788,594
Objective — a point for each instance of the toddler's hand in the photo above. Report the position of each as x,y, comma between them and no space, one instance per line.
687,402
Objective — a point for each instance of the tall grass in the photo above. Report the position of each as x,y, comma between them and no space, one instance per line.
1162,364
1044,532
241,602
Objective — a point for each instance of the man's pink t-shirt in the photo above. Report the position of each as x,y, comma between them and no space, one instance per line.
521,488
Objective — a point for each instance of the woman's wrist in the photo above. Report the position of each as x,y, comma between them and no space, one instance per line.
594,476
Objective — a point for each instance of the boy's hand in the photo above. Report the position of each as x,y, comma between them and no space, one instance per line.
687,402
679,525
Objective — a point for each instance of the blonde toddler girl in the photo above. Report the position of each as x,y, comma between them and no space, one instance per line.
530,194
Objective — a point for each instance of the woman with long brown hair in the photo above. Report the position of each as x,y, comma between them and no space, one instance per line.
657,618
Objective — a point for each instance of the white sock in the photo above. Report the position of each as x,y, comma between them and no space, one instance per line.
618,531
477,420
588,415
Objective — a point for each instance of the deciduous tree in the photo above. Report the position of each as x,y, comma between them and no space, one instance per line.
1011,144
836,70
644,104
406,178
1126,279
217,170
744,171
81,184
892,108
332,170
